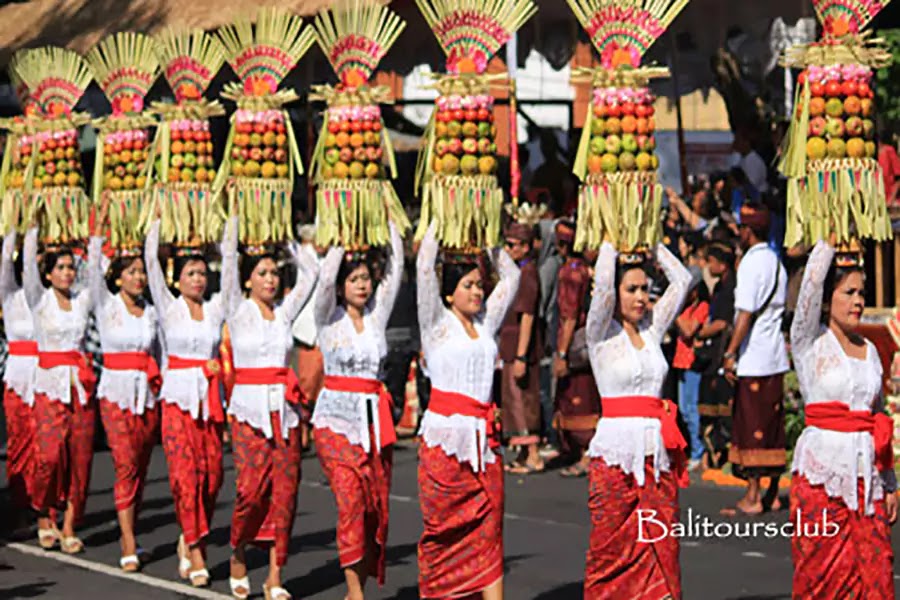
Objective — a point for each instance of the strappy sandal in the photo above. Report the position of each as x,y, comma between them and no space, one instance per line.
130,563
240,588
276,593
184,563
525,468
200,578
72,545
574,471
48,538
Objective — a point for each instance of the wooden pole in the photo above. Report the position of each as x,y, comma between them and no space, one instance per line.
682,150
896,270
879,275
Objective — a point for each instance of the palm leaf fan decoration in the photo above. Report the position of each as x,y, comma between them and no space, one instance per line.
17,152
56,79
620,196
125,65
191,213
456,175
355,199
261,155
835,184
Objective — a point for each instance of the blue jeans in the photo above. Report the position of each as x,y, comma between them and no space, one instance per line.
688,396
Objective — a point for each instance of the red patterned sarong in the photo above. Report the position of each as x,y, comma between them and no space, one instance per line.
619,563
131,439
856,563
268,472
19,447
64,450
193,450
461,549
361,484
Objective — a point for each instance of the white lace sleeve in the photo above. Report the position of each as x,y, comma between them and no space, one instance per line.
666,309
31,275
229,297
428,293
8,285
502,297
307,273
326,299
386,294
806,324
99,293
162,296
603,302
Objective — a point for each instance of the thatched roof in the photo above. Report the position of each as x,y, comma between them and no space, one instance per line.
79,24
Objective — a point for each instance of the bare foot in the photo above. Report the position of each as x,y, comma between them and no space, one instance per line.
776,504
743,507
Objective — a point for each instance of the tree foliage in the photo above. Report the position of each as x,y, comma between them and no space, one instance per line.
887,86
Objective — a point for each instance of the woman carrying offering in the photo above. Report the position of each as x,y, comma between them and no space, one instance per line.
460,467
18,382
843,461
265,412
354,427
637,453
64,383
192,413
130,379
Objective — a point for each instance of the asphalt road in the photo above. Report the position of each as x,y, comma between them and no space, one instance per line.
546,534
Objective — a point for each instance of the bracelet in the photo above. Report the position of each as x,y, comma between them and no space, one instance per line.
562,355
522,358
729,356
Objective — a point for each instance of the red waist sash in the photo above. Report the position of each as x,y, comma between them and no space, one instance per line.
22,348
360,385
651,407
272,376
837,416
212,370
71,358
135,361
451,403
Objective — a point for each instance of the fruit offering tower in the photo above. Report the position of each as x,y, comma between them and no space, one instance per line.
620,196
355,199
261,156
125,65
457,171
834,181
56,79
17,153
191,214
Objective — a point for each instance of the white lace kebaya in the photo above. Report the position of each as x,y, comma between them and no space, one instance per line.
454,361
56,330
348,353
622,370
184,337
257,342
121,331
835,459
18,324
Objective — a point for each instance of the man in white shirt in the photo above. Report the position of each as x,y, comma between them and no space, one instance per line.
757,357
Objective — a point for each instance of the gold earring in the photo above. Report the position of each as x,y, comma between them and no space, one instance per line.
118,282
177,285
247,285
449,299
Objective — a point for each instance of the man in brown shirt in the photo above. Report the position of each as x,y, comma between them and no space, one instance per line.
577,397
520,345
